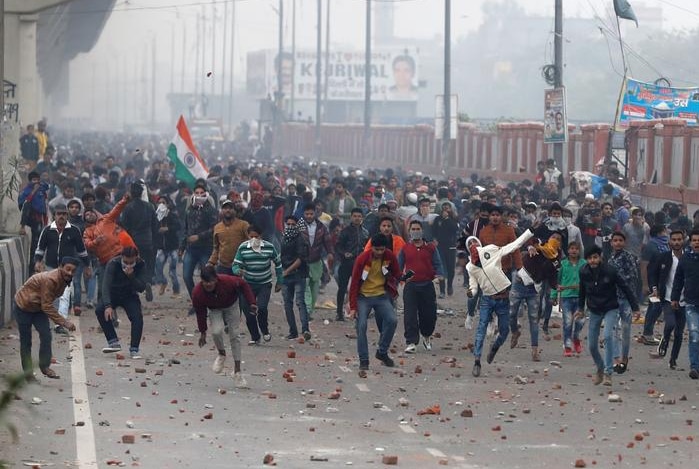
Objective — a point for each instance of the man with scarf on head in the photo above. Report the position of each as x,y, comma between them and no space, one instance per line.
196,245
294,257
260,216
166,243
657,245
139,220
486,272
33,306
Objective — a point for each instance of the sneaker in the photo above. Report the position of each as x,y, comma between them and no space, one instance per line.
442,295
694,374
599,377
491,354
514,339
662,347
306,335
364,364
577,346
649,340
90,305
253,342
427,343
191,311
567,352
410,348
149,292
469,323
61,330
135,354
161,292
607,380
673,364
292,336
77,311
476,369
239,381
535,354
112,348
450,290
340,317
267,337
217,367
385,359
49,373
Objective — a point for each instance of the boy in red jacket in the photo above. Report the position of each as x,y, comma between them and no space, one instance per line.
374,286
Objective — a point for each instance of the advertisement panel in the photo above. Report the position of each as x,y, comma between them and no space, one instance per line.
394,75
555,117
646,101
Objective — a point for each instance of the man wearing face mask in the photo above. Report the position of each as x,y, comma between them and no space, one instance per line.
197,244
294,258
124,278
166,243
419,296
33,306
229,233
253,261
574,233
445,228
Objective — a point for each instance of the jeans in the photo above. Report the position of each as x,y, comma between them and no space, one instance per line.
501,307
622,333
652,315
219,319
386,322
147,253
610,319
519,294
257,322
160,259
132,305
344,273
315,272
77,284
571,326
675,320
295,288
693,329
40,321
92,282
448,255
193,257
545,304
420,311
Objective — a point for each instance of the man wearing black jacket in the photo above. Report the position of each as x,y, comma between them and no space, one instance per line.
166,244
598,289
139,220
661,275
350,244
687,279
125,277
294,258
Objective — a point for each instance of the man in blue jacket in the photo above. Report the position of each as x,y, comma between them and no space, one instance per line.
687,275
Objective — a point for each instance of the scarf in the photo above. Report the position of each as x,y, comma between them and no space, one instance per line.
290,234
550,248
161,212
256,200
256,244
661,243
199,200
555,224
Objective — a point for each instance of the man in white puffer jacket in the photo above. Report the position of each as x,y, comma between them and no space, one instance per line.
485,271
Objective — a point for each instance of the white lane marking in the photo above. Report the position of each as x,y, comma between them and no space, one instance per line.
407,428
436,453
362,387
86,454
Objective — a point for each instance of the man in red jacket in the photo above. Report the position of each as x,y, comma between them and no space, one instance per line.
374,279
216,295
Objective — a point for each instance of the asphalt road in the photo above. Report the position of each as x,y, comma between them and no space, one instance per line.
169,410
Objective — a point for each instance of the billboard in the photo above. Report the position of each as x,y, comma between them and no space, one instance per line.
646,101
555,117
394,74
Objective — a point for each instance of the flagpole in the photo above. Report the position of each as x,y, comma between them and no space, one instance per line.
610,144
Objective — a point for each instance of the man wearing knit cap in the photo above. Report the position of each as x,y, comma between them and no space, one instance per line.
33,306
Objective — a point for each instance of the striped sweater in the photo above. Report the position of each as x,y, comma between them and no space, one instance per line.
257,266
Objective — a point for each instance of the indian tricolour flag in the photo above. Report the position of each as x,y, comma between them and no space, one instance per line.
188,164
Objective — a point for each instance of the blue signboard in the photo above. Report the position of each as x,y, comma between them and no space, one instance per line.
646,101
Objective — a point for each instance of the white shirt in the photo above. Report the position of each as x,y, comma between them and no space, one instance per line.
312,232
671,279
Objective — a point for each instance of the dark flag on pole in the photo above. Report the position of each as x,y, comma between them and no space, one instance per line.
623,10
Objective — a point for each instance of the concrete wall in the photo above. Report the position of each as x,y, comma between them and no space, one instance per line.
13,271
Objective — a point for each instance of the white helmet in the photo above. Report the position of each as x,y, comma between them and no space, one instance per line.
412,198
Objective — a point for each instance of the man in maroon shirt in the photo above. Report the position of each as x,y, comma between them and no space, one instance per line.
215,296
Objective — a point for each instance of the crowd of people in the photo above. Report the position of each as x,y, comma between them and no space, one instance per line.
106,213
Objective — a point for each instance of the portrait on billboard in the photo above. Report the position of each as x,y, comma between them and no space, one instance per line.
403,87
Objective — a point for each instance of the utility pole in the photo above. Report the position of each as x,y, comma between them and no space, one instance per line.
196,58
367,82
292,98
279,98
224,72
2,71
446,128
232,71
213,49
319,39
327,59
184,54
558,64
152,85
